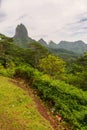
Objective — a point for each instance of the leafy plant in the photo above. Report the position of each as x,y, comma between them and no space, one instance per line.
69,101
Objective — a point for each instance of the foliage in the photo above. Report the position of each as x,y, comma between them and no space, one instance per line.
8,72
67,100
63,98
38,52
12,52
77,73
53,66
66,55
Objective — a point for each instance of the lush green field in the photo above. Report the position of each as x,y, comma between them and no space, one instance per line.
17,110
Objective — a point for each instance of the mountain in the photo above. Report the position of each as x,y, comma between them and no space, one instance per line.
21,32
63,53
52,45
78,46
43,42
21,37
68,56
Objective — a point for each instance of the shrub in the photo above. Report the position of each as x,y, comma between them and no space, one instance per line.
69,101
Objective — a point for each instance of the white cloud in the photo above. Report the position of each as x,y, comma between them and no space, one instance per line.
51,19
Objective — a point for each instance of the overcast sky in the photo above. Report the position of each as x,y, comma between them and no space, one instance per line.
48,19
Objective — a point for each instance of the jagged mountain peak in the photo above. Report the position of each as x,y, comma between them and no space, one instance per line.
52,44
21,37
21,31
42,42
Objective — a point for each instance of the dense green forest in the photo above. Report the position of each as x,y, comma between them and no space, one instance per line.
60,83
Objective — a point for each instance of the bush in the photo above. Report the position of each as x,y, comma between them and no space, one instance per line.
69,101
8,72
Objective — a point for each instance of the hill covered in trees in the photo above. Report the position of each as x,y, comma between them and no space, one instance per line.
77,47
60,84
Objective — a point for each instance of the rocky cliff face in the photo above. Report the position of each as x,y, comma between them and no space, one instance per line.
21,36
21,32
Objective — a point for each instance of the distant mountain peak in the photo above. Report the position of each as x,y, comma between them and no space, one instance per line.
21,31
77,46
21,37
52,44
42,42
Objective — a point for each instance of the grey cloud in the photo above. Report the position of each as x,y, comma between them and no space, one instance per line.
41,36
2,16
50,19
22,17
83,20
9,30
82,17
0,2
85,28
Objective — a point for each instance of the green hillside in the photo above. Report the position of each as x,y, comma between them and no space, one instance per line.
62,98
60,84
17,109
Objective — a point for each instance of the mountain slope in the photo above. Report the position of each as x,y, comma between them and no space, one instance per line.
67,55
21,37
77,47
43,43
17,109
52,45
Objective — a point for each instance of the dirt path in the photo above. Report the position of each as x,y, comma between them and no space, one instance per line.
43,110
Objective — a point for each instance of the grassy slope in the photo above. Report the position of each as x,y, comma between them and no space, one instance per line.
17,110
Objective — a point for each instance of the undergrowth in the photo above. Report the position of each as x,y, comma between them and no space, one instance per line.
64,99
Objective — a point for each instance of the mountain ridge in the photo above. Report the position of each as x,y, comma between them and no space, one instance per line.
22,39
77,46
